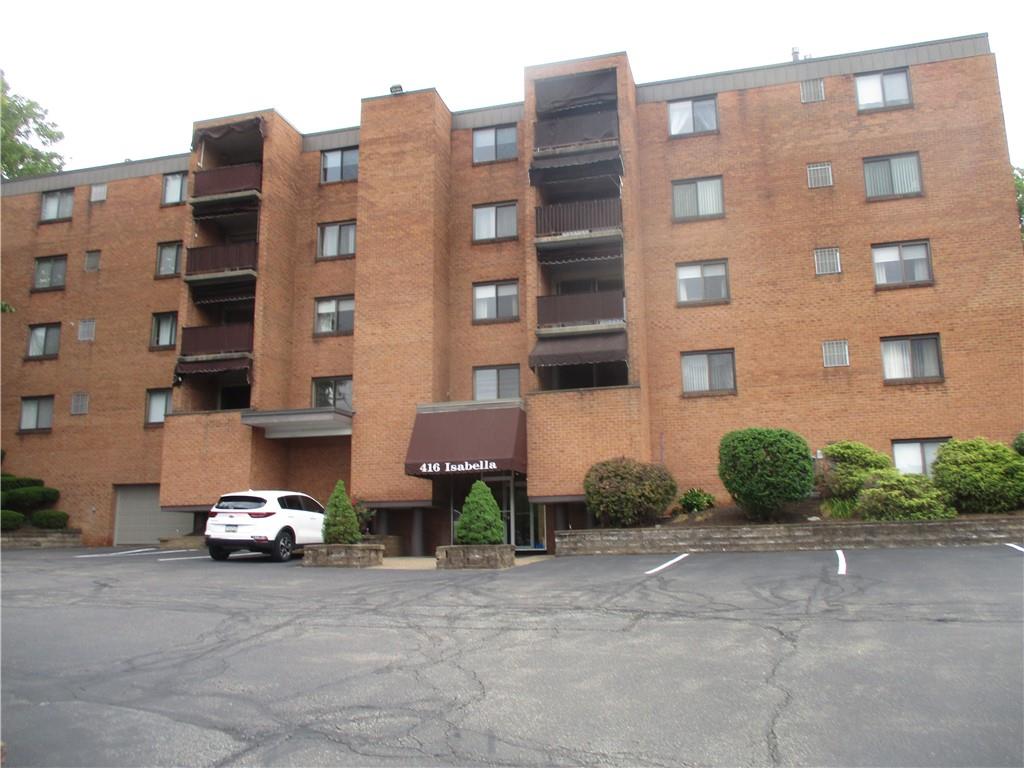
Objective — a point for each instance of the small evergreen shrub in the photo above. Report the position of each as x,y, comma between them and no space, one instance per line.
340,523
903,497
50,518
696,500
11,482
480,521
11,520
980,476
854,454
29,498
624,493
850,463
839,509
764,468
1018,443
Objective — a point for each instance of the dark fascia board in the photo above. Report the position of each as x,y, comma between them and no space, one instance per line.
100,174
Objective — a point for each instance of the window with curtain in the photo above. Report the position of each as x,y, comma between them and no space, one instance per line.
693,116
57,205
494,222
335,315
712,371
336,240
496,301
339,165
158,405
497,382
895,176
333,391
916,457
44,340
50,273
704,281
881,90
911,358
493,144
164,330
174,188
697,199
36,413
902,263
168,259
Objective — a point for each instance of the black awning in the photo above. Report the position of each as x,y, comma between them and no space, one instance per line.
252,125
579,91
584,165
207,367
580,350
602,252
467,441
225,298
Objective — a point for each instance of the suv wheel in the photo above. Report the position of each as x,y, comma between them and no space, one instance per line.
283,545
218,553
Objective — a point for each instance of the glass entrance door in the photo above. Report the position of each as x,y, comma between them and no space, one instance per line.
525,523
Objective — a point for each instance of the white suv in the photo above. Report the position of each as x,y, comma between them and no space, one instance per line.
274,522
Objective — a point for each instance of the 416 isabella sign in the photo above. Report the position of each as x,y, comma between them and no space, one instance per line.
463,466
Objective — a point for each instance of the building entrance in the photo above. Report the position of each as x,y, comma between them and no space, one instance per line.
525,523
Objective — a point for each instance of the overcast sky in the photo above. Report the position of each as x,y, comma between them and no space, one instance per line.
126,80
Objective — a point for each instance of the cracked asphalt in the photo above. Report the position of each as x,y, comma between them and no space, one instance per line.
915,657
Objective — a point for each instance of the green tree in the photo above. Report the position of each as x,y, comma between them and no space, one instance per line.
1018,182
24,125
480,521
340,524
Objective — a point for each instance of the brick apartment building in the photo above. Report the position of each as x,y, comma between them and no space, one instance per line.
515,292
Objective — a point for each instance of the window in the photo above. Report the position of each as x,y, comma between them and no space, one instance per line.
97,193
881,90
496,383
57,205
336,240
158,405
36,413
79,403
836,354
335,391
50,273
492,144
915,457
896,176
706,372
164,331
92,261
693,116
826,261
902,263
494,222
911,358
168,259
339,165
174,188
702,282
496,301
812,90
44,340
697,199
87,330
335,315
819,175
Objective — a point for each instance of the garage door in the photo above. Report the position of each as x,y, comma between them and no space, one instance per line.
139,518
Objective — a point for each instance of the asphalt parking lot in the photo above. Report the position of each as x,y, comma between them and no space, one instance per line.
909,657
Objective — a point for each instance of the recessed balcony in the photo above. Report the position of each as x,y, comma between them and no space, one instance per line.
206,341
565,224
232,262
580,309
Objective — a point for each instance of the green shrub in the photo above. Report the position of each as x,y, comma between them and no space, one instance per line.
1018,443
764,468
850,463
980,475
624,493
340,523
854,454
29,499
903,497
11,482
50,518
11,520
696,500
480,521
839,509
363,514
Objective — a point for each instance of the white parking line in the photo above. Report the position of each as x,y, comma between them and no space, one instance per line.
663,566
118,554
193,557
1014,546
841,571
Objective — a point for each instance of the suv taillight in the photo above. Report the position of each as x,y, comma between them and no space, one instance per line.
260,514
212,513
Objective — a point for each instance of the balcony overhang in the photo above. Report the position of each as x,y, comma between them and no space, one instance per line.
212,365
225,204
467,438
580,349
224,276
588,237
603,326
576,168
301,422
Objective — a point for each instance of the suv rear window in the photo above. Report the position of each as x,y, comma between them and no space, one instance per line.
240,502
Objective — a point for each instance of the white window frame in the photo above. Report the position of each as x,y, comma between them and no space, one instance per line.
819,175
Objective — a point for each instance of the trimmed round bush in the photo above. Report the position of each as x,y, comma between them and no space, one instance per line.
30,498
980,476
480,521
764,468
903,497
50,518
696,500
11,482
341,525
11,520
1018,443
625,493
850,463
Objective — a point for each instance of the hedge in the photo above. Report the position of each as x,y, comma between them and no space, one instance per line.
11,520
1018,443
50,518
980,475
11,482
903,497
764,468
30,498
624,492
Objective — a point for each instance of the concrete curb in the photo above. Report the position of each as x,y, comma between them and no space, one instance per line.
800,536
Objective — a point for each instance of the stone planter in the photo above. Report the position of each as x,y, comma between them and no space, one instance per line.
476,556
392,544
343,555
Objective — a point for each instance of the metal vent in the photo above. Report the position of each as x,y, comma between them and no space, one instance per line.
86,330
79,403
819,175
92,261
836,354
826,261
812,90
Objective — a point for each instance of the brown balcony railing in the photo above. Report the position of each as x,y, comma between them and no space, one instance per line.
580,308
216,339
579,217
222,258
230,178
